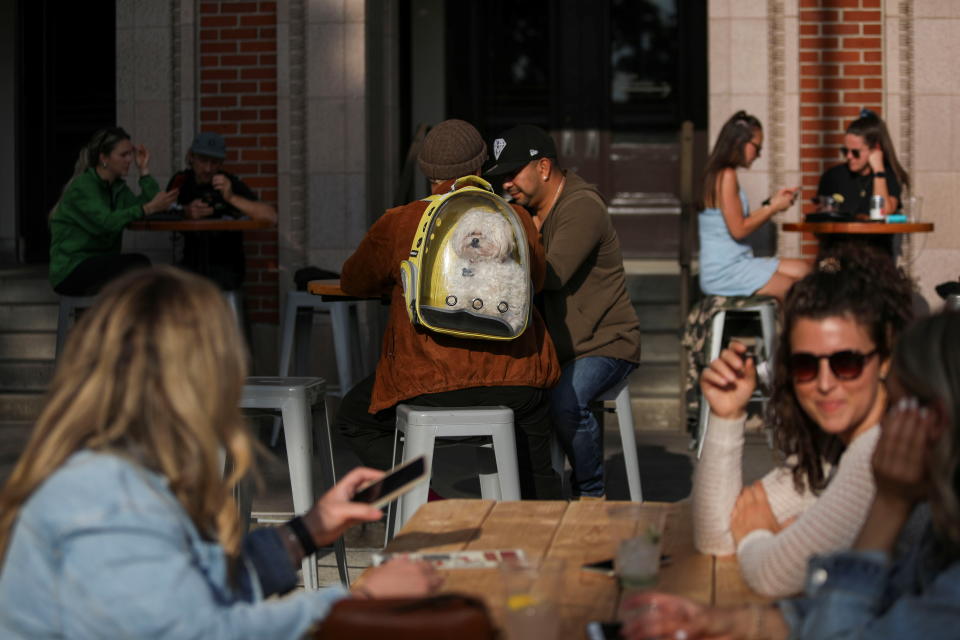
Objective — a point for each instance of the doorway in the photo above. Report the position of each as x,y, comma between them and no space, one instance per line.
65,92
611,80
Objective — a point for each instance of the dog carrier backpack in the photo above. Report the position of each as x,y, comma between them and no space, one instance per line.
468,273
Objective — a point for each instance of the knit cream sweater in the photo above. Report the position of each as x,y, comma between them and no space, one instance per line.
774,564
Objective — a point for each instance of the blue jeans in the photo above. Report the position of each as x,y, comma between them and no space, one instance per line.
580,435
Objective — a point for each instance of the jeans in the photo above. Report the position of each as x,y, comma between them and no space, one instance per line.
577,428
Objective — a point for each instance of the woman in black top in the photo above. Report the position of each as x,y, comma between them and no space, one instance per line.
871,168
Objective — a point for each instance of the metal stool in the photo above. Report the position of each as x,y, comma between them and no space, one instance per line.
296,399
346,334
421,426
67,316
620,395
766,308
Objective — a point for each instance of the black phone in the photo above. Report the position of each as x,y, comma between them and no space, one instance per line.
604,566
398,481
597,630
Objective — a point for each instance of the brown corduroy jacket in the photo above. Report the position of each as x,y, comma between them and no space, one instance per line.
416,361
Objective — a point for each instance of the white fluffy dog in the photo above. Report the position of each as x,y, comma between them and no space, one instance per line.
483,275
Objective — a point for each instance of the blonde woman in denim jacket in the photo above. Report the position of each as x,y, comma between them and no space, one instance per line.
117,522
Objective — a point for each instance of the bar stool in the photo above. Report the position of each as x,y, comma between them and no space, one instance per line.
297,400
766,308
620,396
70,306
421,426
346,335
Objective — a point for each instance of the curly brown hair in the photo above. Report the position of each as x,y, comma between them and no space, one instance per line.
858,281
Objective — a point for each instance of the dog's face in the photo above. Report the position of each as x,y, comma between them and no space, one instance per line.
483,235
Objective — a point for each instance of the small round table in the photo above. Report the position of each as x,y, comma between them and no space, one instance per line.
874,233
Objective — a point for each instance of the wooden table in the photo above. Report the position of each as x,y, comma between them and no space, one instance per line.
859,228
578,532
879,234
203,224
330,291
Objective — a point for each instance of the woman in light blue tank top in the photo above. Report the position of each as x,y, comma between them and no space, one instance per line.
727,264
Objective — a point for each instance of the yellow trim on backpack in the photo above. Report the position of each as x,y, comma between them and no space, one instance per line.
424,274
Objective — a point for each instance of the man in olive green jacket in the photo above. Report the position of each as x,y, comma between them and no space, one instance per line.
585,301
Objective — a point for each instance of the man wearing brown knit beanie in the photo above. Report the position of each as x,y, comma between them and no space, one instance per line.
420,367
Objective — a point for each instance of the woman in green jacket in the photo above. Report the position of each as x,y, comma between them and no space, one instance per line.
86,224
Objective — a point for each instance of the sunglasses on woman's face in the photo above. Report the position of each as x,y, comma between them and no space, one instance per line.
846,365
854,152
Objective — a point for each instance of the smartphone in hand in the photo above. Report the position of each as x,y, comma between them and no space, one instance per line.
397,482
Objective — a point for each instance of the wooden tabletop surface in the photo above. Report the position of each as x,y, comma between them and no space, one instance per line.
578,532
874,228
204,224
326,288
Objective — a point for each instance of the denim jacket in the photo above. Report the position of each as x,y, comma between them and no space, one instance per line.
103,549
858,594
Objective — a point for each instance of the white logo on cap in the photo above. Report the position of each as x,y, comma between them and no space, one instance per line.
534,152
498,146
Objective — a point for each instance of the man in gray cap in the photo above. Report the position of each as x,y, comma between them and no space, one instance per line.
420,367
585,302
208,191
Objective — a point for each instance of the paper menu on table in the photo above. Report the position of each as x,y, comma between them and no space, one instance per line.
459,559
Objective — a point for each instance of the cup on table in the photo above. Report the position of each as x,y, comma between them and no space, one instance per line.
531,598
638,562
912,206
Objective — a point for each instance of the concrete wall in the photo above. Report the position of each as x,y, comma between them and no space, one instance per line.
928,50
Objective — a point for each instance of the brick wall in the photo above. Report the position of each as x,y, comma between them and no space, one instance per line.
841,71
238,99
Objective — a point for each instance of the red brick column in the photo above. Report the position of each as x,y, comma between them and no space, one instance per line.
238,99
841,71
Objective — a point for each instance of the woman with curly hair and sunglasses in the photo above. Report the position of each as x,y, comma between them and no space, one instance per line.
870,168
840,325
901,578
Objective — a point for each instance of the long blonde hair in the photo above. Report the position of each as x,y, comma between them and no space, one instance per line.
154,372
102,142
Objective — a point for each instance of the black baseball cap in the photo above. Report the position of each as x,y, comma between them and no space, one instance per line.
518,146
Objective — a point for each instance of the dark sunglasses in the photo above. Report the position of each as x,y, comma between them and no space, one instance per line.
846,365
854,152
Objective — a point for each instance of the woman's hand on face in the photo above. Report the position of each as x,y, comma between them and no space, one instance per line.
752,511
729,382
400,578
335,512
143,160
875,158
900,458
161,201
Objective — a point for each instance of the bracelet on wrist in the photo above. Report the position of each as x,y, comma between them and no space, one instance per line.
303,536
880,174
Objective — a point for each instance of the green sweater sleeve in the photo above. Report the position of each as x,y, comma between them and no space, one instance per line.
89,208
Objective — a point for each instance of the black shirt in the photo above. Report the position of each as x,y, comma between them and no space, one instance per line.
856,189
215,254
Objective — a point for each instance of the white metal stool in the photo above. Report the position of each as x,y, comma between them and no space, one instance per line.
620,395
297,399
67,316
421,426
766,308
346,334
